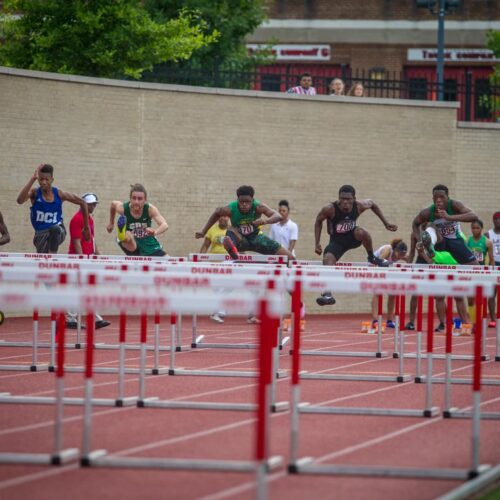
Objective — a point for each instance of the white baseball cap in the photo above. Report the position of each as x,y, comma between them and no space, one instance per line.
90,198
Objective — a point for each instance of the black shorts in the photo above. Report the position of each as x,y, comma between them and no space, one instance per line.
458,249
339,245
259,243
136,252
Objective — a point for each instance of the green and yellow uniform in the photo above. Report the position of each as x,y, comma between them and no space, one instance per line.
479,248
146,244
251,237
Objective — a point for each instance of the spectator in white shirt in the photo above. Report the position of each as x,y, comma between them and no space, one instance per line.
305,87
286,231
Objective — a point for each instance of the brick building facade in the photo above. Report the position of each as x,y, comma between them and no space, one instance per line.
391,40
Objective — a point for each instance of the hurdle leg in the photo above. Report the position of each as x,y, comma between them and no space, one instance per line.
476,386
173,320
178,345
121,367
156,367
142,368
34,359
418,368
78,344
295,394
401,376
430,410
378,354
397,324
52,342
447,386
497,350
484,354
59,394
194,331
89,389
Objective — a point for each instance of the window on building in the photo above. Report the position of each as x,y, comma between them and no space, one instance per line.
417,88
450,90
483,102
270,82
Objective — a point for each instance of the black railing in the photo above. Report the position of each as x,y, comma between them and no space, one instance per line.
476,90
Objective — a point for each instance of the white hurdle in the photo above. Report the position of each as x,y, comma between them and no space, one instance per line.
306,465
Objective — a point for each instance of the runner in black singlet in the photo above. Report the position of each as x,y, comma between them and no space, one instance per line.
341,217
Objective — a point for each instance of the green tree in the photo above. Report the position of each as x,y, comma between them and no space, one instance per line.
101,38
493,43
233,19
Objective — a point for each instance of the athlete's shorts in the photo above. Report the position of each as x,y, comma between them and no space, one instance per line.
339,245
50,239
458,249
137,252
259,243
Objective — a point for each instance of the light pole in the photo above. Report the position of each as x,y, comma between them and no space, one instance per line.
445,7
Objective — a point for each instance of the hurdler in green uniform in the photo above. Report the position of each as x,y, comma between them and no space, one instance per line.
136,236
245,233
146,243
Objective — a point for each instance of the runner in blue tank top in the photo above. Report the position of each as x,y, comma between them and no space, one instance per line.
46,210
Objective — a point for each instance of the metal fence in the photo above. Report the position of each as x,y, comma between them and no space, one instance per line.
476,90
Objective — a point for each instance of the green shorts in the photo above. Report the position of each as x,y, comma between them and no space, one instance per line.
259,243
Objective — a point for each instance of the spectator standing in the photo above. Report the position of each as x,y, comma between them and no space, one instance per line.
494,236
357,90
337,87
79,246
286,231
305,86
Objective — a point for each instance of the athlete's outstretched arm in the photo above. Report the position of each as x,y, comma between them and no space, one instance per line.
371,205
272,215
73,198
423,217
326,212
6,236
155,214
28,192
462,213
218,212
116,207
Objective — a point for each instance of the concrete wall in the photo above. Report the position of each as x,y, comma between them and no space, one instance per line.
193,147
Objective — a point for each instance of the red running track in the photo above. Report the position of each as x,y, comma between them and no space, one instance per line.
130,431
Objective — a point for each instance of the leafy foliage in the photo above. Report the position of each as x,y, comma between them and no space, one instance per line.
96,37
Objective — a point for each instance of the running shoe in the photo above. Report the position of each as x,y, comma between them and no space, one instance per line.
73,325
326,299
217,318
231,248
122,227
102,323
440,328
409,326
377,261
253,320
426,241
492,324
390,324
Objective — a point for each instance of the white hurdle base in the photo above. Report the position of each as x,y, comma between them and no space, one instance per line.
154,402
7,398
41,345
307,466
198,344
464,381
64,457
349,354
137,347
360,378
382,412
24,368
483,415
461,357
220,373
100,458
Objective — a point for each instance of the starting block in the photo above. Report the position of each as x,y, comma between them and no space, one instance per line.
466,329
287,324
